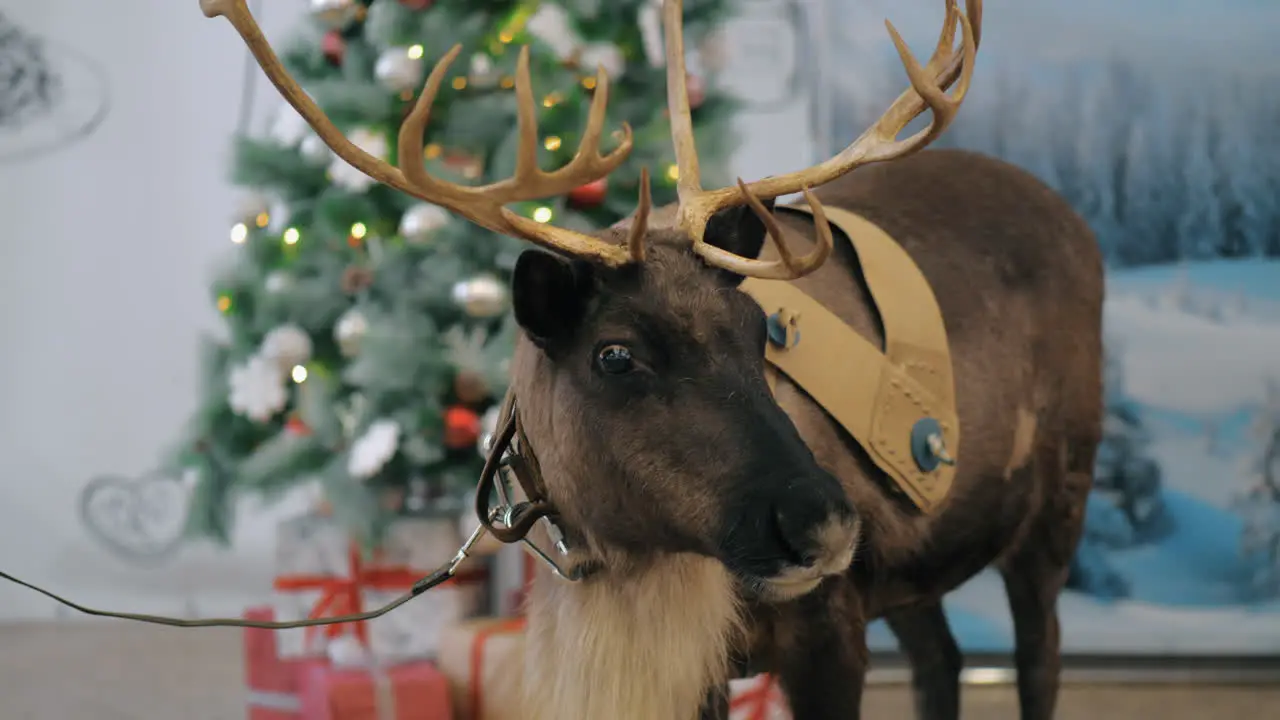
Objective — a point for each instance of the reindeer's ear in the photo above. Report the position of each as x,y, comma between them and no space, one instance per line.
737,230
549,295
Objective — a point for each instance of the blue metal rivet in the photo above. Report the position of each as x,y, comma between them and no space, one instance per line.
926,459
778,332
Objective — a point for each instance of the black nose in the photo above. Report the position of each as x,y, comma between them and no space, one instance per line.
795,535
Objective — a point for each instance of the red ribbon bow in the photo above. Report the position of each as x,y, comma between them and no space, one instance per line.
757,700
343,595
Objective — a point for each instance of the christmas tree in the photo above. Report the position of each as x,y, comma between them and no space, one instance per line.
367,333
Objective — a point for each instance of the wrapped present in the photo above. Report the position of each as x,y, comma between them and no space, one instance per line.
272,682
483,660
322,573
757,698
411,691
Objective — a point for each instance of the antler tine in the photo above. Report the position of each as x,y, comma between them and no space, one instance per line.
481,205
928,91
688,180
787,267
640,223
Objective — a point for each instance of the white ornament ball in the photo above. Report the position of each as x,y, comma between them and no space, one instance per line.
350,331
277,282
421,221
288,345
483,296
344,175
335,13
313,150
713,53
397,70
606,55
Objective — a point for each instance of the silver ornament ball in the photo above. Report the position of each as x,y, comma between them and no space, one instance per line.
421,221
483,296
397,70
350,331
336,14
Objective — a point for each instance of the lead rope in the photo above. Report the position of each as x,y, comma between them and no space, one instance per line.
440,576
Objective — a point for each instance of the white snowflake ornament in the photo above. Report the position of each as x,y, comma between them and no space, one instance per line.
287,345
344,175
373,449
257,389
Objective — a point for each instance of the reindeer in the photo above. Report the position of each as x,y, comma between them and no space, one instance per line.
713,524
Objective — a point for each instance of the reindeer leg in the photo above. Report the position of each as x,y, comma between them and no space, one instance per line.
936,660
1034,575
823,656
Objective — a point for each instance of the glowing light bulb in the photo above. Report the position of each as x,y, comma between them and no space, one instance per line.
506,36
224,303
542,214
432,151
415,52
550,100
291,236
262,220
239,232
673,173
589,82
507,83
358,231
459,83
299,374
552,143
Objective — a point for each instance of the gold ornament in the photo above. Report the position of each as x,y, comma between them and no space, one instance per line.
483,296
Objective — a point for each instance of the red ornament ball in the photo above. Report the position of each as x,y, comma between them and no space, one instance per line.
295,426
334,47
461,428
417,4
589,195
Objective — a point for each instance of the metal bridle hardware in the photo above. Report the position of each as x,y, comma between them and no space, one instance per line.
509,522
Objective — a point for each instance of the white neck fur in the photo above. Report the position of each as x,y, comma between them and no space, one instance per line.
635,645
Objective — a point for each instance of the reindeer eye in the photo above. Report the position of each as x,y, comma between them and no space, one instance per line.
615,359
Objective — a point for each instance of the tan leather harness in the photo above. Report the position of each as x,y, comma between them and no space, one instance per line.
899,403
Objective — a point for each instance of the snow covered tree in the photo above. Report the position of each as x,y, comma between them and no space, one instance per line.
1259,508
1125,473
367,334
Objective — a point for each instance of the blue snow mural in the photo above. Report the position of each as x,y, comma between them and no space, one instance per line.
1159,123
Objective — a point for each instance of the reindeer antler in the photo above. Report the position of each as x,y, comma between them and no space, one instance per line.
928,90
481,205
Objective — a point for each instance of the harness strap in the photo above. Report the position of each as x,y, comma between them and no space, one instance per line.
899,403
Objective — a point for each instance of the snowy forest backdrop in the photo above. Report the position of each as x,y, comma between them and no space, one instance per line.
1158,120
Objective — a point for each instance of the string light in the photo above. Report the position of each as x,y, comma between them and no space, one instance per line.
589,82
542,214
459,83
358,231
262,220
673,173
239,233
552,143
551,100
291,236
432,151
299,374
224,303
507,83
506,36
415,52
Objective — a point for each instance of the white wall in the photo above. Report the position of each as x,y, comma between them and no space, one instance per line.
106,251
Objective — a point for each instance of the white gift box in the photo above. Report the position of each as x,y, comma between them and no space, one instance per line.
314,556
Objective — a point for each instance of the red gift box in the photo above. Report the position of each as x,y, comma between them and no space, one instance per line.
414,691
313,689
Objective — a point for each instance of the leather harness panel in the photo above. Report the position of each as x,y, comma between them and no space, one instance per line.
898,404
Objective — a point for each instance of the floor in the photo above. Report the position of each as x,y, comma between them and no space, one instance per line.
109,671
